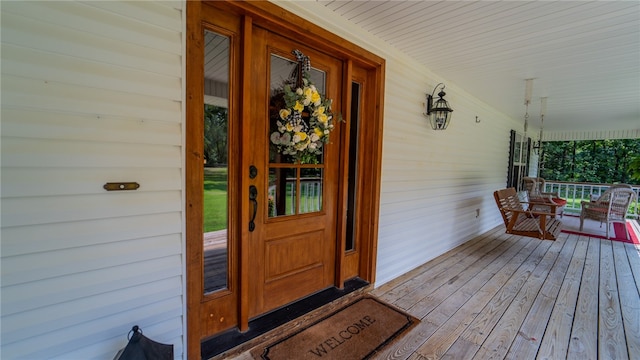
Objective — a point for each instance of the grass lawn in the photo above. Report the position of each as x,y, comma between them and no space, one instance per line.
215,199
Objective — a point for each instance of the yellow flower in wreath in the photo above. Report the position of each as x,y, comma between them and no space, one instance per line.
315,98
284,114
300,136
323,118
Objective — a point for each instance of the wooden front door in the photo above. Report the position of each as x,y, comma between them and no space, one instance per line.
282,234
292,241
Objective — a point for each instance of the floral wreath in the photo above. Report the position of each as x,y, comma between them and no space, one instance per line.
306,121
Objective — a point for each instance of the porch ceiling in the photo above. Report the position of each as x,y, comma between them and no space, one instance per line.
583,55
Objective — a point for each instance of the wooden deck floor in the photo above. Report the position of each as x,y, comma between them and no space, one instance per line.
509,297
501,296
215,260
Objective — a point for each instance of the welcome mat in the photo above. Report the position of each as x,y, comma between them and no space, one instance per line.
356,331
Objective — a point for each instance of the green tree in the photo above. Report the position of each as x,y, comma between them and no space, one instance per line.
596,161
215,135
634,168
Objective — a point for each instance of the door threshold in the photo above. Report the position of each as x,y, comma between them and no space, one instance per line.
221,344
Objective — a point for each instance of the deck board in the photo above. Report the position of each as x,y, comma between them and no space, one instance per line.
633,255
542,280
611,331
583,343
550,312
629,300
405,295
446,282
500,339
527,298
459,321
502,296
481,327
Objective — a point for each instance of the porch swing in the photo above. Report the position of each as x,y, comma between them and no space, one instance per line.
533,221
526,222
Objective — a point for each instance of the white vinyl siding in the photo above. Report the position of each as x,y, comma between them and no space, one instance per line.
432,181
91,93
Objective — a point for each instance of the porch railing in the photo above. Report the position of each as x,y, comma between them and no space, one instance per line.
310,196
575,193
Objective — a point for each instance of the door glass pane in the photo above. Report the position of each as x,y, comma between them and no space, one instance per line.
310,199
283,132
282,191
354,127
216,90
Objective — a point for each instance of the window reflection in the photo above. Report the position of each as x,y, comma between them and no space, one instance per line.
282,191
354,130
216,90
293,188
310,198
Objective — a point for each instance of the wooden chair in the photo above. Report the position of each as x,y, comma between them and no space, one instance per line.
532,223
610,207
535,192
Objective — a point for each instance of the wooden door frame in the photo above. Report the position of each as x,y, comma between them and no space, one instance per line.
276,19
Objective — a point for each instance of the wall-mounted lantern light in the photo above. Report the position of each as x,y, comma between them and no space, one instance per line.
439,113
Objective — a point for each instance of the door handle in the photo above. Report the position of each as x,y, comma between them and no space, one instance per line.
253,197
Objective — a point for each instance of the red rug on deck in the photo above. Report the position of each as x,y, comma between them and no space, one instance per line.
619,233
